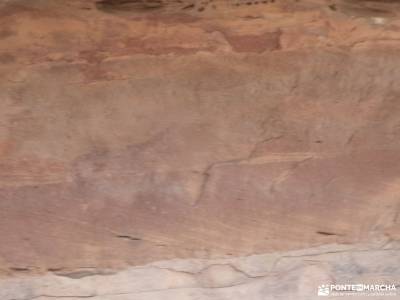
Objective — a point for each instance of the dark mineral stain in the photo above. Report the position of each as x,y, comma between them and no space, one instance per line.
326,233
128,237
188,6
332,7
20,269
129,5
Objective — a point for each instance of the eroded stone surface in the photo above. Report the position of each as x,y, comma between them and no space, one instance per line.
128,137
289,275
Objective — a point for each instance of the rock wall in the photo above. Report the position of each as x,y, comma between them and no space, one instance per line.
134,132
287,275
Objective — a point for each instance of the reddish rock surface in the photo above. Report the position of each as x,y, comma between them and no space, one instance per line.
133,135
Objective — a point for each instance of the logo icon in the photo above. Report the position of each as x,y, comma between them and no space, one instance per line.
323,290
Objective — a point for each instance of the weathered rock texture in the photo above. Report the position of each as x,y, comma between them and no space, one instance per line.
291,275
131,134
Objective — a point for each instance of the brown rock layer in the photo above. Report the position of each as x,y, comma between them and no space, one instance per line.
129,136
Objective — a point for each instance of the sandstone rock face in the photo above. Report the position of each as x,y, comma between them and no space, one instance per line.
289,275
135,132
